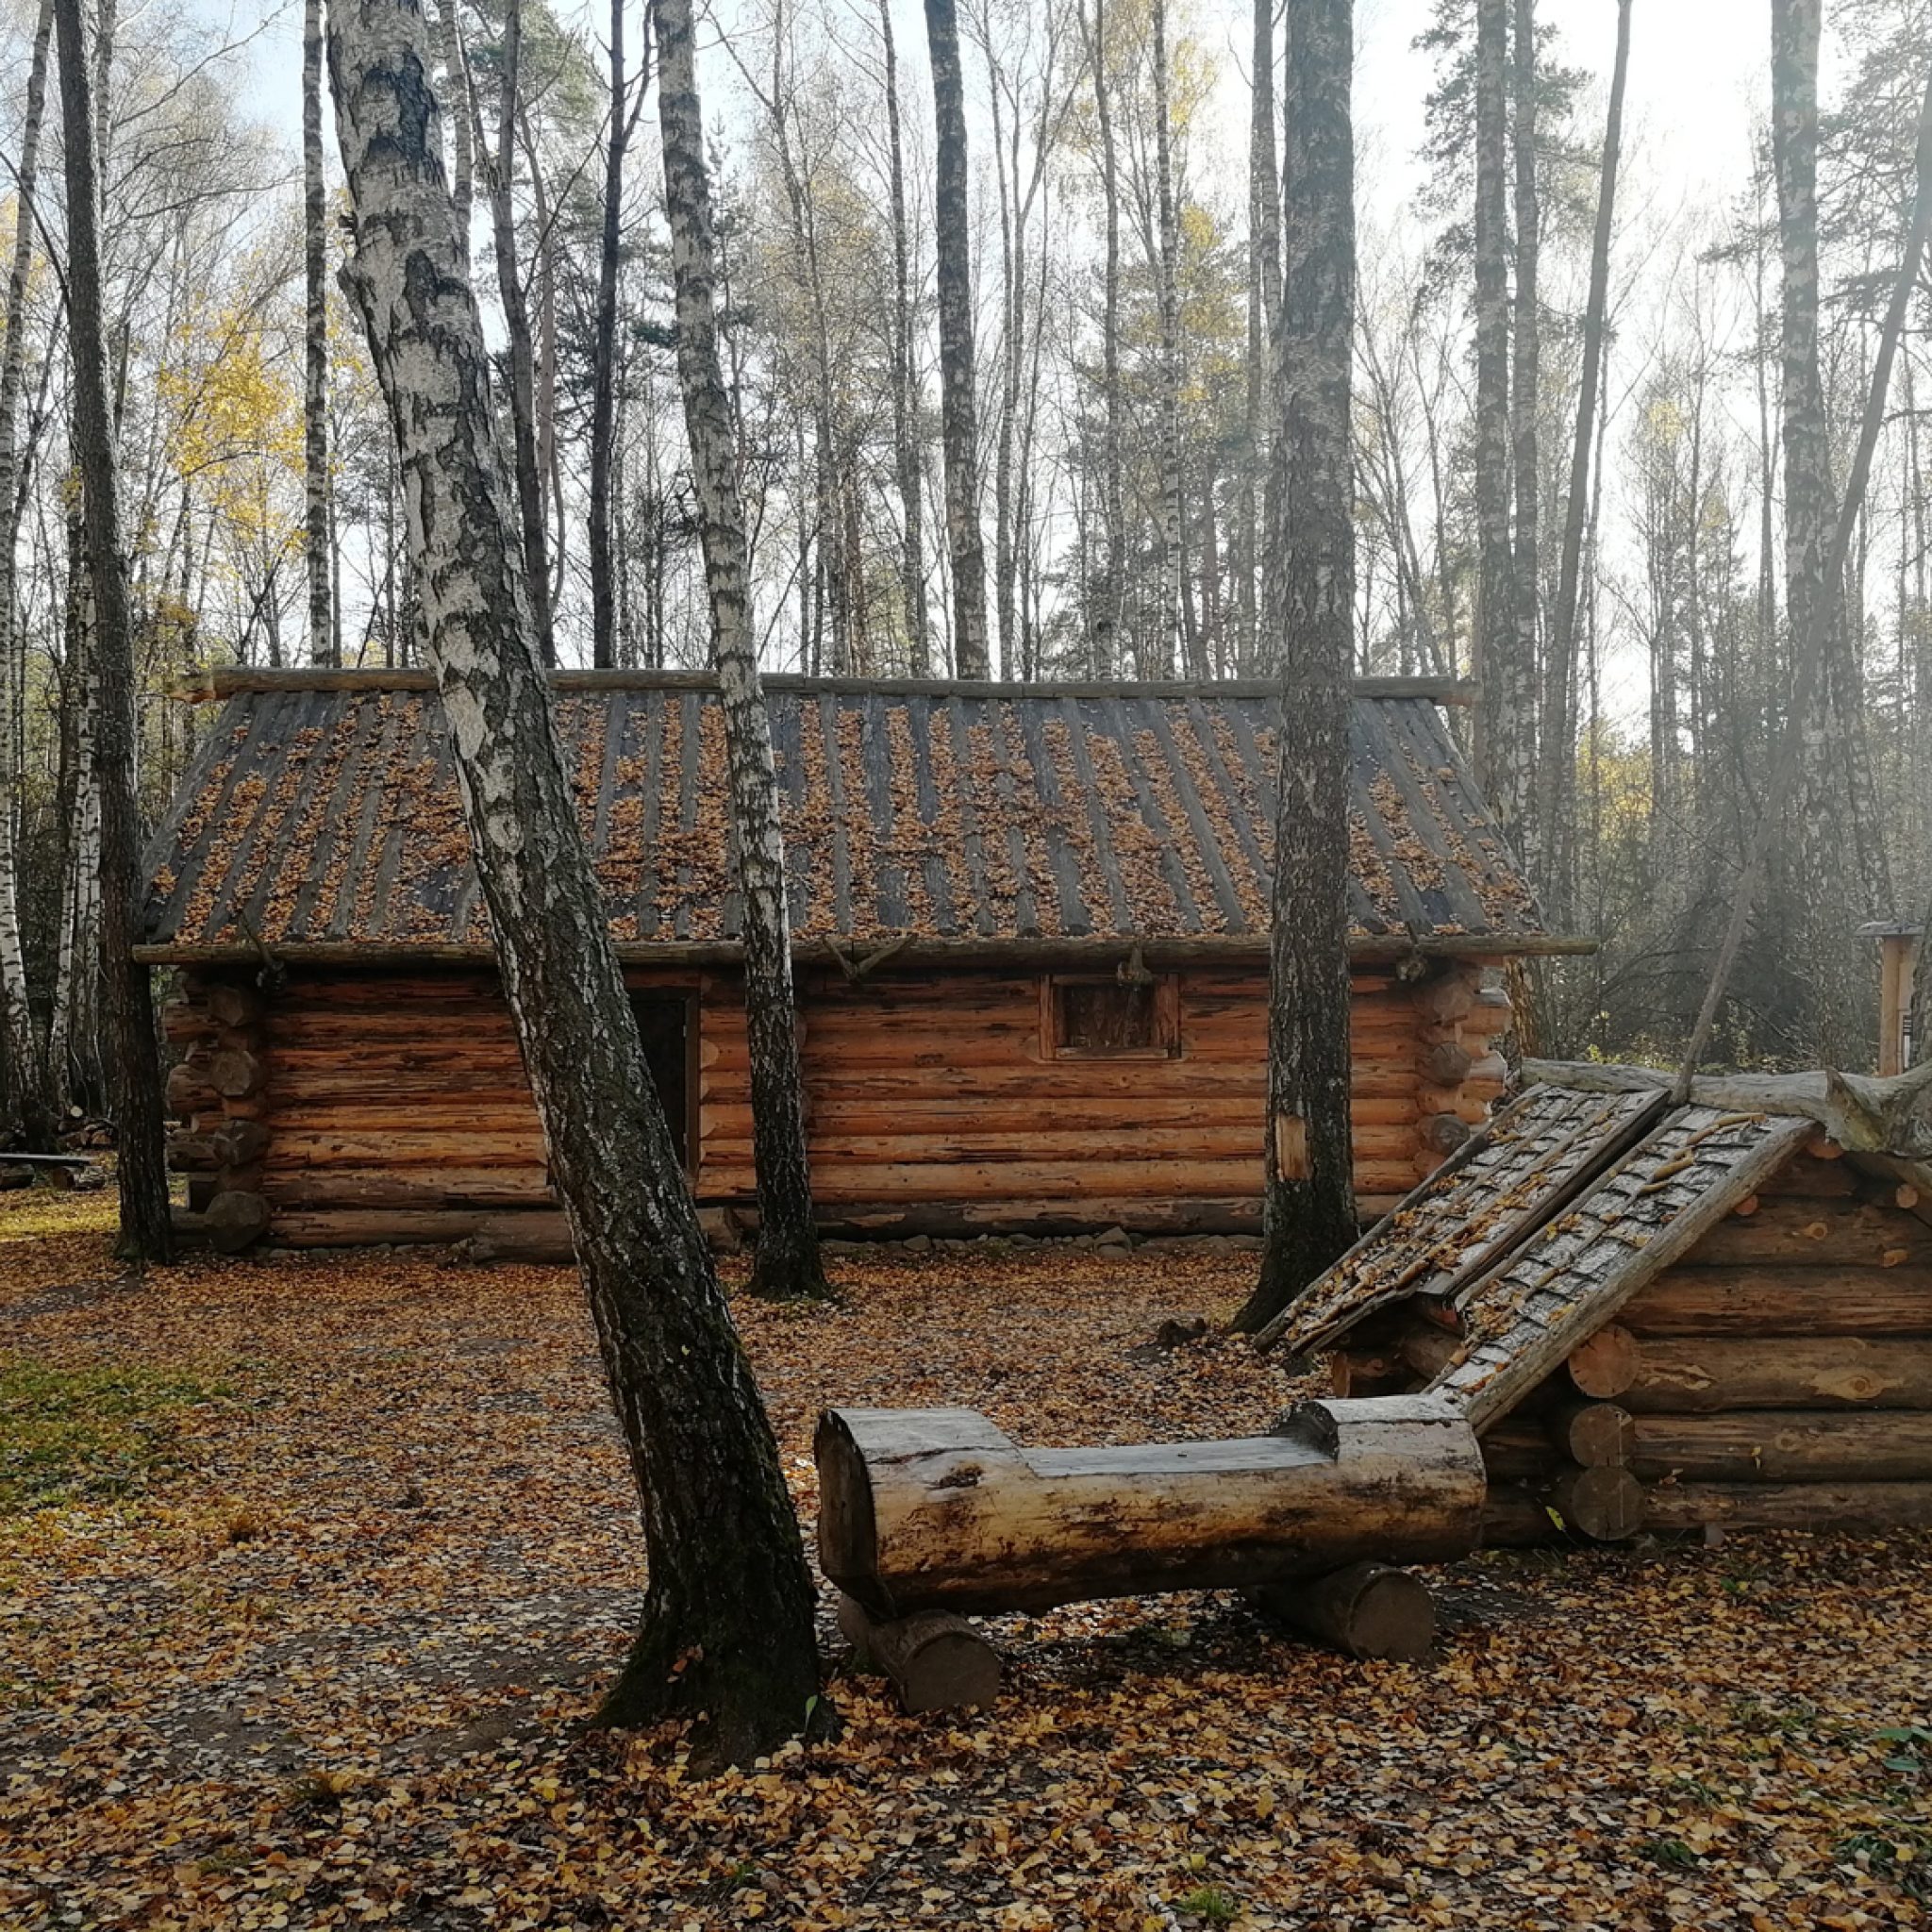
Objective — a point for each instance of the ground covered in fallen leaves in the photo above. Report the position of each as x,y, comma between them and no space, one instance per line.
310,1571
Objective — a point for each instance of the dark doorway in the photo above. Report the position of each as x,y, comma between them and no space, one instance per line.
664,1023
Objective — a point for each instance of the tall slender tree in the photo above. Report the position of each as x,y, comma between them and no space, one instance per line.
1308,1202
28,1100
134,1059
1526,386
958,406
1106,625
788,1264
322,623
726,1632
1168,561
1264,294
905,399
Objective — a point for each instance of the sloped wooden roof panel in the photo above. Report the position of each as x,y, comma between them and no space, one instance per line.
331,815
1649,1208
1473,1209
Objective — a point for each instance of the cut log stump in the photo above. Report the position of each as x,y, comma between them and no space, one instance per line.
935,1660
1366,1610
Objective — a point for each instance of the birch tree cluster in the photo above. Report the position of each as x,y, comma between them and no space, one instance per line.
1601,428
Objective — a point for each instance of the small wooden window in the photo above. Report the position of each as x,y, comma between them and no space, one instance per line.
1092,1017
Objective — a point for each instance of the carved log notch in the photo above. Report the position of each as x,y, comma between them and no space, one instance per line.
217,1093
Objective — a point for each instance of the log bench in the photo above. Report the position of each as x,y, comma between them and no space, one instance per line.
926,1516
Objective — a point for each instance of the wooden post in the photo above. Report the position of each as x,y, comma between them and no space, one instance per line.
1898,954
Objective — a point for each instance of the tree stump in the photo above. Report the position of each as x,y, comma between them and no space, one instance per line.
1366,1610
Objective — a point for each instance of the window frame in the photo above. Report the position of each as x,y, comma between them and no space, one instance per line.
1167,1044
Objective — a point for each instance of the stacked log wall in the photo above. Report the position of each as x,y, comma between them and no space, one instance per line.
392,1106
1778,1376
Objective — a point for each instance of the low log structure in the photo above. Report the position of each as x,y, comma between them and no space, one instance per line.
926,1510
1366,1610
1663,1317
1030,956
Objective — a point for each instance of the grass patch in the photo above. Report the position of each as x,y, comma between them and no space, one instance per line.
90,1435
1210,1902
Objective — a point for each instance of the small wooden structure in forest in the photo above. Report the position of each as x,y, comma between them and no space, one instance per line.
1661,1316
1607,1312
1029,932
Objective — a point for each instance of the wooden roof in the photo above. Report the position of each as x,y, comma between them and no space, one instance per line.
1552,1217
321,811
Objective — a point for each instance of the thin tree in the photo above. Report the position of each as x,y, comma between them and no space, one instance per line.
622,115
134,1072
905,400
1106,625
1504,716
727,1630
1308,1202
1159,661
322,627
1264,294
959,409
449,30
1557,769
516,322
1525,378
787,1263
28,1099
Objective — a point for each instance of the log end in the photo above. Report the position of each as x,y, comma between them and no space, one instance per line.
1368,1611
934,1660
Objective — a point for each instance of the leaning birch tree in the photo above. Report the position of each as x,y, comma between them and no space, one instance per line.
1308,1202
788,1264
322,628
727,1630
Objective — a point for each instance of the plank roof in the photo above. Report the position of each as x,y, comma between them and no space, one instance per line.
1553,1216
326,813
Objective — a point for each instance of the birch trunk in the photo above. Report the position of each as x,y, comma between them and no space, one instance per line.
1558,770
29,1099
135,1063
315,345
726,1627
788,1261
1308,1204
1107,624
516,322
1525,382
1168,563
958,403
1502,714
905,403
456,69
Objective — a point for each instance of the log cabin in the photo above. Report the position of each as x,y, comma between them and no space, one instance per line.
1030,937
1660,1315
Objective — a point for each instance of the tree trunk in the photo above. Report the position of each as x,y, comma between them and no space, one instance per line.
905,402
1158,658
1525,382
1558,766
959,408
315,345
135,1064
1503,719
727,1629
604,353
1107,624
463,121
1308,1202
29,1087
788,1261
1264,294
516,322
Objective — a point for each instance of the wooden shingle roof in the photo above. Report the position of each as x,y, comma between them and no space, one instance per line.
322,811
1550,1219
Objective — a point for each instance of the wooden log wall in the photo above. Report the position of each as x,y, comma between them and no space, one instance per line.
1778,1376
391,1107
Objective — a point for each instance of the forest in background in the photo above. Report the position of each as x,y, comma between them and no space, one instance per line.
1123,235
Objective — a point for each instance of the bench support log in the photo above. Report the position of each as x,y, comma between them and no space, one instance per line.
936,1661
1366,1610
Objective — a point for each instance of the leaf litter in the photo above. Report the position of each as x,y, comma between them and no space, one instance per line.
328,1660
